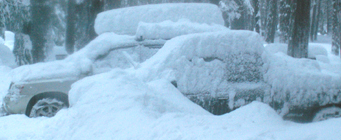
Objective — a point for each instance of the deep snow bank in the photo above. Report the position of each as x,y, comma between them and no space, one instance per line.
169,29
126,20
118,105
313,49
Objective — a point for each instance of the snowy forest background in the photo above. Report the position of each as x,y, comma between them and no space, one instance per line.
40,25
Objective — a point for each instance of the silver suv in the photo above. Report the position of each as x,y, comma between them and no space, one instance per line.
45,97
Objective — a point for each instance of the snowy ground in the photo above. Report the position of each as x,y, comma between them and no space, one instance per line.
129,108
139,110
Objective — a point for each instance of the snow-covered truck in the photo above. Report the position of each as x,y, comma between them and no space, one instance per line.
222,71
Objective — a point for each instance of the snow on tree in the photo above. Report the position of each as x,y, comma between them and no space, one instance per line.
298,44
239,13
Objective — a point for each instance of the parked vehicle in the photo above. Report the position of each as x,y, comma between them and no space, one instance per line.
222,71
44,96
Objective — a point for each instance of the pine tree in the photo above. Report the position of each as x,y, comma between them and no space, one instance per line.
298,44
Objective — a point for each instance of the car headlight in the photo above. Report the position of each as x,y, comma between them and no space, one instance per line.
15,89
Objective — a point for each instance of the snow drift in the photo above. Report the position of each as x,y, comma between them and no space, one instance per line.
118,105
126,20
313,49
169,29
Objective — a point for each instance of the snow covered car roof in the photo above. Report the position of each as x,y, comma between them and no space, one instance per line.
126,20
169,29
85,60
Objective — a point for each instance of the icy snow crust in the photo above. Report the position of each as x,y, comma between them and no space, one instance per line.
169,29
100,55
126,20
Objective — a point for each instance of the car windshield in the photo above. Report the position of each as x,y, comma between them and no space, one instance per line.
170,69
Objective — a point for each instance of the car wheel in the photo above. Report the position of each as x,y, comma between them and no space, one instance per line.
327,113
46,107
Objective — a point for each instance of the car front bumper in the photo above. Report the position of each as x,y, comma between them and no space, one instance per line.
15,104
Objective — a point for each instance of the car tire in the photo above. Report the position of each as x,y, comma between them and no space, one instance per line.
46,107
327,113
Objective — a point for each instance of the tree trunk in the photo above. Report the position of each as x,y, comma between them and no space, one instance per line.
336,27
112,4
317,19
286,20
86,14
298,44
22,49
70,27
313,21
256,15
40,35
271,21
329,16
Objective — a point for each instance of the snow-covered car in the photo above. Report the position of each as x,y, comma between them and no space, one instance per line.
222,71
42,89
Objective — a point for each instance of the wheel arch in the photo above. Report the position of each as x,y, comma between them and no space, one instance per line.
58,95
318,109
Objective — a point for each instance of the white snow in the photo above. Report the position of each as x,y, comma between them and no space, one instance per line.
2,41
6,56
126,20
9,39
118,105
313,49
169,29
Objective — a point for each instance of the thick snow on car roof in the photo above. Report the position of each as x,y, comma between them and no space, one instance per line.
81,62
126,20
169,29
